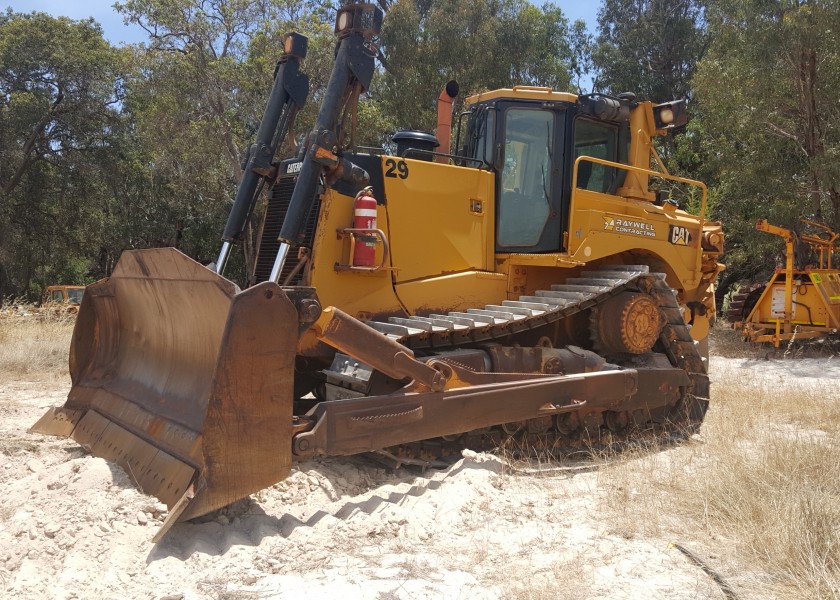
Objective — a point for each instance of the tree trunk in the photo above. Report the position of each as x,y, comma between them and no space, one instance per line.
29,146
3,285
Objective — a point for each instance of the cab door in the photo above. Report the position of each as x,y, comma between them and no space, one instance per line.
529,178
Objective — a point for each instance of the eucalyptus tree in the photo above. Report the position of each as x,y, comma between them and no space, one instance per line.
59,92
650,47
483,44
197,93
769,88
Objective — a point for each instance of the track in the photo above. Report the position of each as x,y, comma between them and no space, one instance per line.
570,432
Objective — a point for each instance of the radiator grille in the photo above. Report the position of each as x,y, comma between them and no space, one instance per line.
275,212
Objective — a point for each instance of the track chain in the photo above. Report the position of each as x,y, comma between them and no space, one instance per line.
496,322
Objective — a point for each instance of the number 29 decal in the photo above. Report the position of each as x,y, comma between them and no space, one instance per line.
396,168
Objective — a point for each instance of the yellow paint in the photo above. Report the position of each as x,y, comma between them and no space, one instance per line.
811,311
643,229
700,327
799,322
358,294
440,225
524,92
434,227
458,292
642,129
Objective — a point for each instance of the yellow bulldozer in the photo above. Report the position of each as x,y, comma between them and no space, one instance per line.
514,278
801,301
62,299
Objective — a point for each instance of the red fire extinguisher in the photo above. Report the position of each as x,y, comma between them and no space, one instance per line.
364,211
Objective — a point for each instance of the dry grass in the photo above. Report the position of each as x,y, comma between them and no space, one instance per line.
568,578
771,481
730,343
33,344
759,492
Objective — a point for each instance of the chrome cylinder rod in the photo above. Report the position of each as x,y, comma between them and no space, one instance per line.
277,269
223,257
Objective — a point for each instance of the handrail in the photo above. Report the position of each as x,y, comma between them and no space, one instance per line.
353,232
422,152
698,261
826,246
532,88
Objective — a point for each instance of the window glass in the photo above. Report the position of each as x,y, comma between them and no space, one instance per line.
478,141
76,295
57,295
486,143
600,140
526,177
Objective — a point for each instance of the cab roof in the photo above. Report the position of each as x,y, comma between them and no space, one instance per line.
524,92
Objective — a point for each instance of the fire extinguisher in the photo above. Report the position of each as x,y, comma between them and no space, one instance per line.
364,217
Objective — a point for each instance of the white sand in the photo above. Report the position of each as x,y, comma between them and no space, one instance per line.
74,526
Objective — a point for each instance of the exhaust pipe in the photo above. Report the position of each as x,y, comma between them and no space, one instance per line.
444,120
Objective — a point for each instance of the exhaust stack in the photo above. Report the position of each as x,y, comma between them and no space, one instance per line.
444,120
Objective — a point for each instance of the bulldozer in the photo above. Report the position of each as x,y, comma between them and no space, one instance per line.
515,278
800,301
62,299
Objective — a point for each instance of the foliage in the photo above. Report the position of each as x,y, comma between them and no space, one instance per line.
196,94
104,149
650,47
770,122
58,89
482,44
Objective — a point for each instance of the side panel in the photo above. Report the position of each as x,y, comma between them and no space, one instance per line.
828,283
440,218
359,294
813,305
602,226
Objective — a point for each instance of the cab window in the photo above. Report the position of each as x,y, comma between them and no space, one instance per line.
57,296
478,143
600,140
524,198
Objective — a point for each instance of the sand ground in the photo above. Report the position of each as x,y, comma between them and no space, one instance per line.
74,526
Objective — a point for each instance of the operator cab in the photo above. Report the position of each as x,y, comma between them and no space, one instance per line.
531,137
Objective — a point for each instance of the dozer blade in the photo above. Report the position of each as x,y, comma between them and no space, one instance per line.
183,380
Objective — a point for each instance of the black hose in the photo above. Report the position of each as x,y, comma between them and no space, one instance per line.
716,577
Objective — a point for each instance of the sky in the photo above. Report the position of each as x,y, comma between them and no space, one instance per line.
117,32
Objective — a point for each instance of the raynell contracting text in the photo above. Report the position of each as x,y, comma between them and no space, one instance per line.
619,225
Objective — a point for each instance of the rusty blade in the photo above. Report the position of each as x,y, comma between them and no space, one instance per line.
57,421
154,471
182,380
247,432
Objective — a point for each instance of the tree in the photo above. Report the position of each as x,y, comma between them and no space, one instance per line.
483,44
198,92
768,88
650,47
58,94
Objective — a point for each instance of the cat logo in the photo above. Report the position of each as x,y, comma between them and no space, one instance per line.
679,235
